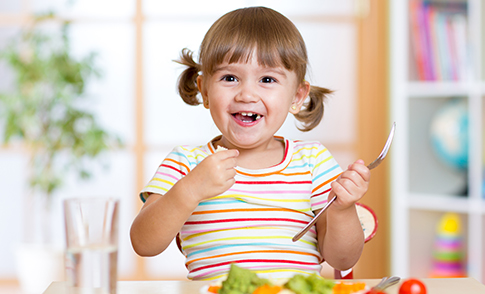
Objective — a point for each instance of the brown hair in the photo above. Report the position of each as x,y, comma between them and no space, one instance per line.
239,33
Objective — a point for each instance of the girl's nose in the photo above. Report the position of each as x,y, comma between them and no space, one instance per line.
247,93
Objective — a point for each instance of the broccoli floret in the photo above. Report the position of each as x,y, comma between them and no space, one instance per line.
241,281
312,284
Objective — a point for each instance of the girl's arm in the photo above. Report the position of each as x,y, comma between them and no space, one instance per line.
162,216
340,235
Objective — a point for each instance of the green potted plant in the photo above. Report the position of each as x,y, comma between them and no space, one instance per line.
44,110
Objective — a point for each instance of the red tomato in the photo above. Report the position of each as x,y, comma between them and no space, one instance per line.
412,286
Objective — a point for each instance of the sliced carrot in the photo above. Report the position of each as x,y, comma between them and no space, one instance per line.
267,289
348,288
214,289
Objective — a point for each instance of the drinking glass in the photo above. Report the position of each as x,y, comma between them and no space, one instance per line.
91,245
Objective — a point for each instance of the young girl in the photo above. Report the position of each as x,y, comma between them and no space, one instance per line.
244,205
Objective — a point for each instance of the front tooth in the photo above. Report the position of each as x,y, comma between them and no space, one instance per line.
244,114
249,114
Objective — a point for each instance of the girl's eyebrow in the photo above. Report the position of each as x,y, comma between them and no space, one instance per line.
221,68
276,70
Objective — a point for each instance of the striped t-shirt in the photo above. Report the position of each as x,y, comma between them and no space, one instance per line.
253,222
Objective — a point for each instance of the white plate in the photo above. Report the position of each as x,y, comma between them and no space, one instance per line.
205,290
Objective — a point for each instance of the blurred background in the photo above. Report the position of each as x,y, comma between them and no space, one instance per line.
135,98
362,49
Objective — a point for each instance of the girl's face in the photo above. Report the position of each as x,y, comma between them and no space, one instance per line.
249,102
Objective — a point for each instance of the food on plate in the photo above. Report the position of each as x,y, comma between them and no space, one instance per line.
241,281
267,289
348,287
213,288
313,284
244,281
412,286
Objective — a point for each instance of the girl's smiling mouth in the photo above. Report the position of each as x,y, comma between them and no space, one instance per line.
247,117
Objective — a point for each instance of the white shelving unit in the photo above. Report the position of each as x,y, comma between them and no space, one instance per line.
423,189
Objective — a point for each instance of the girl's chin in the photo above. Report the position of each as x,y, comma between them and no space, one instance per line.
246,141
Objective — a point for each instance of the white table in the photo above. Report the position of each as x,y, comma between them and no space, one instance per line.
434,286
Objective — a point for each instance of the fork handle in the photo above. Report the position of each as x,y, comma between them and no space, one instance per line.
386,283
313,221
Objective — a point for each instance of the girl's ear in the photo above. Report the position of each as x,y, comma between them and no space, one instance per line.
203,91
301,94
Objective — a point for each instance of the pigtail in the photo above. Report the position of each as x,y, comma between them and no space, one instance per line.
312,111
187,83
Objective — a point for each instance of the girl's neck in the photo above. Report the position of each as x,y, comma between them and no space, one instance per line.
264,156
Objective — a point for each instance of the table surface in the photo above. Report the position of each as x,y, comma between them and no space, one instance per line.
434,286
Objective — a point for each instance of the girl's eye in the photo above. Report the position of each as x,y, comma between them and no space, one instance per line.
268,80
229,78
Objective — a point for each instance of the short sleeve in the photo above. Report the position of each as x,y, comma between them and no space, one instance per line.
174,167
325,171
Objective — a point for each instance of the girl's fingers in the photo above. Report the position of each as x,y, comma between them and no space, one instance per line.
351,188
352,183
359,178
228,157
358,161
345,189
224,154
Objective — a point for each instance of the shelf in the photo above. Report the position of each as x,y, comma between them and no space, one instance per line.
424,186
437,89
436,202
446,203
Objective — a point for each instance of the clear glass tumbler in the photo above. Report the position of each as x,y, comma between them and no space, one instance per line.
91,244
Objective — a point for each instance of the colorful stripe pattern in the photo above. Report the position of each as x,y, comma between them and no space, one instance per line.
254,221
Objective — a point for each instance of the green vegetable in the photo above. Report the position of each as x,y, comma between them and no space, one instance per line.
241,281
312,284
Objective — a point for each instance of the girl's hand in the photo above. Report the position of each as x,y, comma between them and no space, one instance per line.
351,185
213,176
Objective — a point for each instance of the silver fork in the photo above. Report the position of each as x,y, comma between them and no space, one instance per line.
386,282
372,165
